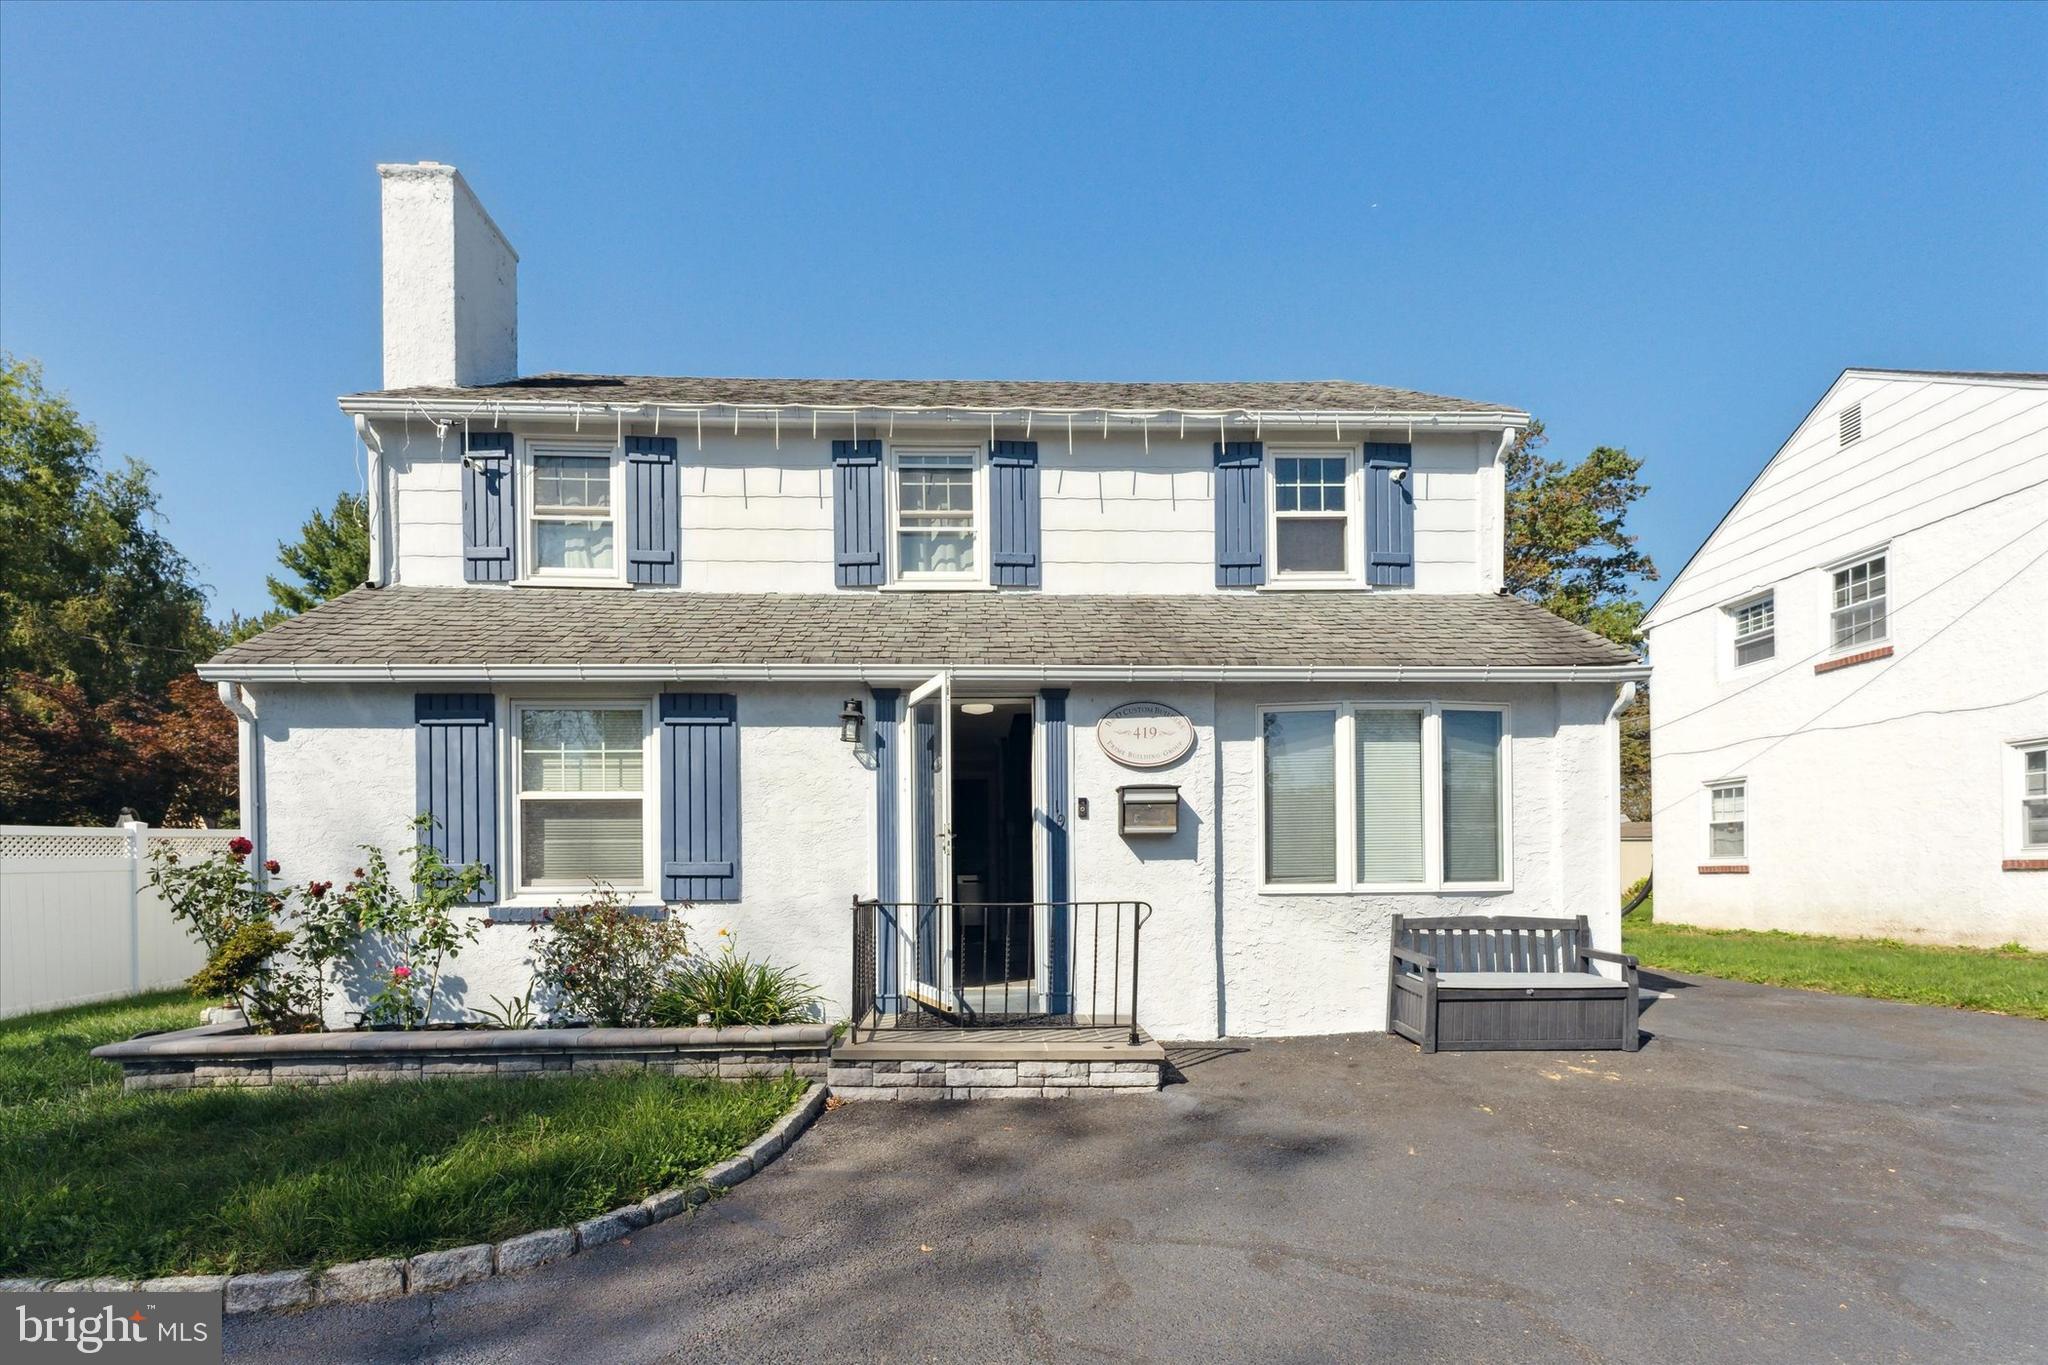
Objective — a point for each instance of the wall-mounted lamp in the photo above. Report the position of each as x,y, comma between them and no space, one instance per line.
850,718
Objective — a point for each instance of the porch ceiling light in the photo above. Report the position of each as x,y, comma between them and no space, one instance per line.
850,719
978,708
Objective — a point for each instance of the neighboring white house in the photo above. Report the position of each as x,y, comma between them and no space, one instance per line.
752,648
1851,675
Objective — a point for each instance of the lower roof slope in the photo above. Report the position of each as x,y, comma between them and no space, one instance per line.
430,627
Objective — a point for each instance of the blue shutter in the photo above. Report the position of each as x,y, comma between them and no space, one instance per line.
859,513
490,509
1054,740
700,796
1389,516
1240,514
456,777
883,733
1013,513
653,519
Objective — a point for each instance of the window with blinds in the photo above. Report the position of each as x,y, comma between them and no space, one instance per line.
1362,797
1756,629
1389,799
1301,797
1728,820
582,793
1471,796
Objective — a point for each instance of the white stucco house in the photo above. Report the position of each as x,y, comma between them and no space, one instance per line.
1851,675
751,649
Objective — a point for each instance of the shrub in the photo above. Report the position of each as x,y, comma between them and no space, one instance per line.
733,989
603,963
236,917
415,924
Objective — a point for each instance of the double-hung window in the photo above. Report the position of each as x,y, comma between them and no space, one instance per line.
1727,821
574,513
1756,629
1312,514
582,796
1396,796
1858,614
935,514
2033,799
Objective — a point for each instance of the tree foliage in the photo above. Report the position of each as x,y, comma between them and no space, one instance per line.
1569,550
91,592
331,555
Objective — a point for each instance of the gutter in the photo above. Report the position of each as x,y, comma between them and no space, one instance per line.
771,414
373,492
895,674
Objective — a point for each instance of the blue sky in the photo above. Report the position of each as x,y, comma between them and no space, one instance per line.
1665,228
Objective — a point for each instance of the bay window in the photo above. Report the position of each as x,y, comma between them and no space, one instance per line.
582,796
1402,796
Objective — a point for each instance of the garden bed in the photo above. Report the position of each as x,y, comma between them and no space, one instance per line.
410,1186
232,1055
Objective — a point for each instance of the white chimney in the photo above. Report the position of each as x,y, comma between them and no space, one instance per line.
451,283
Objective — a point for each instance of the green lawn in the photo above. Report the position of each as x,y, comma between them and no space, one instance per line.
2001,980
98,1182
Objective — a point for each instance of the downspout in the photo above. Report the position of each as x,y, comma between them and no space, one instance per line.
1611,882
249,753
373,493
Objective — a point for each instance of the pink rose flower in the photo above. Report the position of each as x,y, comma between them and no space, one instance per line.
401,973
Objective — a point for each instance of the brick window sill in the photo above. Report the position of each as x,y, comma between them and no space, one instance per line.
1724,869
2024,865
1851,660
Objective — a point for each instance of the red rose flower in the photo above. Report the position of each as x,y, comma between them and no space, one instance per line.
240,847
271,866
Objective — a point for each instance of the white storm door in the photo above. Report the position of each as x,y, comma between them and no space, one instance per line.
930,849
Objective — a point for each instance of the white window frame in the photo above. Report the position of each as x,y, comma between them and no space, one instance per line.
1432,882
1829,609
973,578
1707,854
530,519
1353,574
516,795
2015,789
1736,639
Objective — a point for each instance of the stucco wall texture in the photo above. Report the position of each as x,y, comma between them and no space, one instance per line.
1219,956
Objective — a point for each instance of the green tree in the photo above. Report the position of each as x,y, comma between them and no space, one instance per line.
1569,551
331,556
91,593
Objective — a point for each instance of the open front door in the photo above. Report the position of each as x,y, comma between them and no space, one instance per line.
929,850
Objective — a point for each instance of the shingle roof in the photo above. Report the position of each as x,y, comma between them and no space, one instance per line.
422,626
1316,396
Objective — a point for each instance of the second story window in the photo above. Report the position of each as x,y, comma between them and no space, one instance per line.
574,518
935,514
1858,614
1756,629
1311,515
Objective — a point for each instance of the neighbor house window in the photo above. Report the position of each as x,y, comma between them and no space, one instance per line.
582,793
935,523
2034,798
1756,629
574,524
1858,617
1311,515
1728,821
1409,796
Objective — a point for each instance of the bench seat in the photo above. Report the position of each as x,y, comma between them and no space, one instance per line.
1533,981
1507,982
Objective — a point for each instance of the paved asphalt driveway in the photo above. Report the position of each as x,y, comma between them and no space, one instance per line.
1775,1176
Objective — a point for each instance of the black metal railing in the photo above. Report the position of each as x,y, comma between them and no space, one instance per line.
1039,964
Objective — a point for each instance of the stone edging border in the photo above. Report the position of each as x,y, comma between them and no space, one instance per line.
432,1272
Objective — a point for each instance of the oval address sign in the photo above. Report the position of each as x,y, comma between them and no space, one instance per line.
1145,734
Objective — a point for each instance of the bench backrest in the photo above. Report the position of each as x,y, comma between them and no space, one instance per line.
1496,943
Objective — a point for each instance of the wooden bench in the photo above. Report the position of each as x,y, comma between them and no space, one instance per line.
1500,982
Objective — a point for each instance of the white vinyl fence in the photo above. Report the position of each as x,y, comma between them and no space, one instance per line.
78,920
